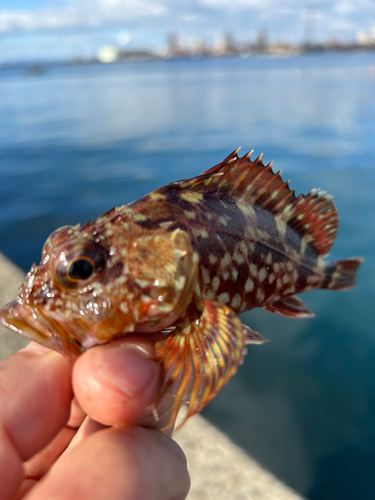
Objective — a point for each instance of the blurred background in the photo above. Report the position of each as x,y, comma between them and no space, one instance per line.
102,101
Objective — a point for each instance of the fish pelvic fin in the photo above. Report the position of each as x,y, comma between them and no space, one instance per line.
252,337
341,274
313,216
199,357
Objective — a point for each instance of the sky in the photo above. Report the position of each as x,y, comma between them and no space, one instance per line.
63,29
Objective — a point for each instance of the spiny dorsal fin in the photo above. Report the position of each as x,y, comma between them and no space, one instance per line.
313,216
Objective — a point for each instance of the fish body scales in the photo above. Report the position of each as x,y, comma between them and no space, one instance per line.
247,257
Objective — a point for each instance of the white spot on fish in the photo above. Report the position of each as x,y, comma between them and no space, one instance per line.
226,260
198,231
157,196
212,258
236,301
223,220
223,297
313,279
249,231
215,283
260,295
263,235
206,275
245,208
140,217
262,274
249,285
238,258
243,247
253,270
192,196
189,214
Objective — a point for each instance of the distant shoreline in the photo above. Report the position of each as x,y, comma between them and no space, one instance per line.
38,67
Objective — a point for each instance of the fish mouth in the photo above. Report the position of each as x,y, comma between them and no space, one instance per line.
30,323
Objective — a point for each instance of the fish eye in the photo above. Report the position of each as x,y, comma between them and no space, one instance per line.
77,264
81,269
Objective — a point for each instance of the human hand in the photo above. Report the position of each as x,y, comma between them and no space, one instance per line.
49,447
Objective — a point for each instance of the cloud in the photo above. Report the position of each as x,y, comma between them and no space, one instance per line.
91,14
243,4
153,19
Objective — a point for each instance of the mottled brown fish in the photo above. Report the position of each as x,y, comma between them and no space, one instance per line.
184,261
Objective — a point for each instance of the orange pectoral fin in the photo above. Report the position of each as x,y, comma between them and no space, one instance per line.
199,357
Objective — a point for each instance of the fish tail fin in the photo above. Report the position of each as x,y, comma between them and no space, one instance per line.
340,274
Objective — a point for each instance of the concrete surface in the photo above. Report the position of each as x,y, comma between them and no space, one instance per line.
219,469
10,280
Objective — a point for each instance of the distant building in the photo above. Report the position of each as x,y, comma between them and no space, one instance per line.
309,27
219,46
230,46
175,48
367,37
107,54
261,42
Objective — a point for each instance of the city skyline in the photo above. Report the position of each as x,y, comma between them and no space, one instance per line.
64,29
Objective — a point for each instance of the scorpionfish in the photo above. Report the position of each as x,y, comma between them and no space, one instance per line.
184,261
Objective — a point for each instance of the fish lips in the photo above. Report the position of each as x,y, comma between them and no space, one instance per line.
30,323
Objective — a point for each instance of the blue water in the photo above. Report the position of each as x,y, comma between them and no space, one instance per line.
78,140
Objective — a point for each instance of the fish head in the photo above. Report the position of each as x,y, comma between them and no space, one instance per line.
93,285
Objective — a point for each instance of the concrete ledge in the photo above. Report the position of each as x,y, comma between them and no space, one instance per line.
219,469
11,278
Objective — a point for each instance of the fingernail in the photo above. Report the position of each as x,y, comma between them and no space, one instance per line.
127,367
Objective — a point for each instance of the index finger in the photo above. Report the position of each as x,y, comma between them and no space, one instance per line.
35,395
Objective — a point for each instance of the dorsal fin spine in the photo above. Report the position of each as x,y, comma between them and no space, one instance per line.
273,194
267,185
250,186
234,154
282,201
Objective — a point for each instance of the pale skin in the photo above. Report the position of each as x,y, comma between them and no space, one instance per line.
103,443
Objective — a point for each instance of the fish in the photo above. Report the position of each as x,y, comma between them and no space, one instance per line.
181,263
